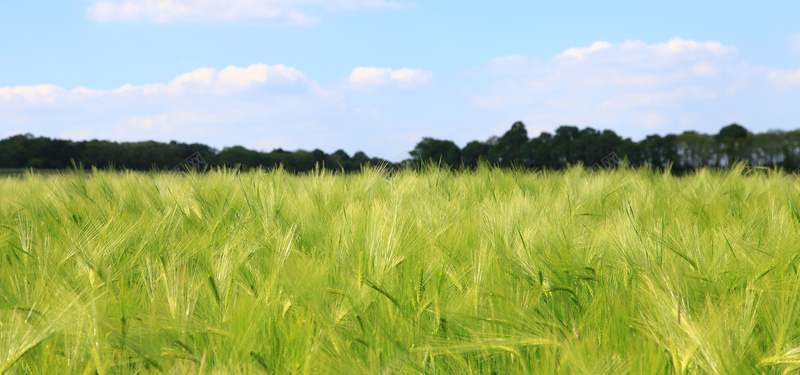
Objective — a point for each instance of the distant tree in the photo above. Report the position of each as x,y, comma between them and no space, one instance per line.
303,161
341,154
512,148
732,141
696,150
359,159
430,149
732,131
473,152
337,161
569,145
319,157
541,151
789,144
247,159
564,145
630,151
653,151
208,153
593,146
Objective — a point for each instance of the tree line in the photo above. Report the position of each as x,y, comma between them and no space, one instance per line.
27,151
567,145
570,145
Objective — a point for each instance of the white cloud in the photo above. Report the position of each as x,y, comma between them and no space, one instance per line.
681,46
410,76
646,55
204,81
632,86
607,68
784,78
203,101
704,69
234,78
40,93
581,52
370,77
273,12
255,106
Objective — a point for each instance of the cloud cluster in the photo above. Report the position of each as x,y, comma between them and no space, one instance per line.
272,12
785,79
372,77
263,105
637,52
633,86
208,81
206,103
628,74
204,81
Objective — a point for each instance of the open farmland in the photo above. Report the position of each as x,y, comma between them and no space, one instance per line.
435,272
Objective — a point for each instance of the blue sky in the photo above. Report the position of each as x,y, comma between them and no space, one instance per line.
378,75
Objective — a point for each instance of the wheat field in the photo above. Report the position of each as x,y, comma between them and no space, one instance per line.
427,272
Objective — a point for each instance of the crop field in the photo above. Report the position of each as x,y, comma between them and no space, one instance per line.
432,272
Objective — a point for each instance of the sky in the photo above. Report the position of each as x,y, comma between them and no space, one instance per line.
379,75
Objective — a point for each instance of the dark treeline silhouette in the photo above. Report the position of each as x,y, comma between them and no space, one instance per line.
27,151
568,145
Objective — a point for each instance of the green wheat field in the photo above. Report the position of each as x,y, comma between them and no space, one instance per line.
431,272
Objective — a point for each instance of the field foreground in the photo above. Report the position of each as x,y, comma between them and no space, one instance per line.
625,271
